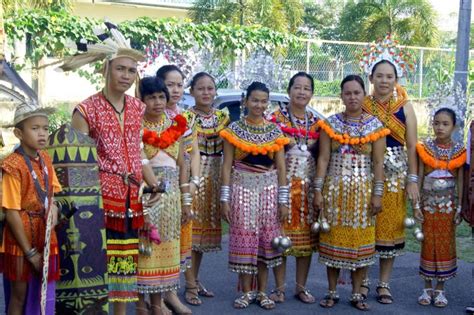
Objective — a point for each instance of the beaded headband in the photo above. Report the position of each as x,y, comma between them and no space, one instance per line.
385,49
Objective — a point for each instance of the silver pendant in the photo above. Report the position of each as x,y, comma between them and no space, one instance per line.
304,147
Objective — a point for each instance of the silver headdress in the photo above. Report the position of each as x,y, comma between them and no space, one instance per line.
386,49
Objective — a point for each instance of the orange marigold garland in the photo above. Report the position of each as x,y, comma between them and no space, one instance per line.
434,163
167,137
254,149
347,139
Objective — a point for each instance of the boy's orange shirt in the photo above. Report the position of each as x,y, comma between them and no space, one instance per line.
19,194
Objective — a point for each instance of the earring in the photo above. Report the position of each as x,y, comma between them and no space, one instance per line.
395,95
242,107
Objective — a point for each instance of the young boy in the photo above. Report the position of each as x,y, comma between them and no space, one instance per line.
28,185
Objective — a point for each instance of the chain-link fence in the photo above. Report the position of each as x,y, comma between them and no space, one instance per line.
330,61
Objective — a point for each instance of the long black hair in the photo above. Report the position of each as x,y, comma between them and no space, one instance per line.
164,70
300,74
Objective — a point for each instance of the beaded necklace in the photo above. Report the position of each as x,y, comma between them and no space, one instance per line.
303,146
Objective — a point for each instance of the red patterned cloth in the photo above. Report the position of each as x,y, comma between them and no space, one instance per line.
119,153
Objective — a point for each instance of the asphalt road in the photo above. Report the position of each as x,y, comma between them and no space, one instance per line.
406,287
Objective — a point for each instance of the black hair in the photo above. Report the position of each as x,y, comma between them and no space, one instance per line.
151,85
300,74
448,111
256,86
200,75
385,62
164,70
353,77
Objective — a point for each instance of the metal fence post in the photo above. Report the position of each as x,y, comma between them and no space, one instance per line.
308,51
420,88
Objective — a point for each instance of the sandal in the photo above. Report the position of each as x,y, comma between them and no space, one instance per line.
191,296
244,300
440,299
426,298
357,301
384,298
202,291
264,301
331,299
277,296
305,296
366,286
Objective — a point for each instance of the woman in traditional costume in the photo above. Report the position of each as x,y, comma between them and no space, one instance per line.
384,64
441,162
174,81
350,177
254,196
159,259
300,126
207,123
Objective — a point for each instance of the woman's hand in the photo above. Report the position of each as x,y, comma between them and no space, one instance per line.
283,212
412,192
457,218
318,201
418,214
186,214
225,211
154,198
375,205
36,261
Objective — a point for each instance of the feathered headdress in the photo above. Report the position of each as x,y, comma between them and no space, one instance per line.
112,45
27,104
386,49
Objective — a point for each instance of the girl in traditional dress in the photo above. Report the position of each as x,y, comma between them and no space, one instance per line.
441,162
207,123
350,177
254,196
158,269
300,126
389,103
174,81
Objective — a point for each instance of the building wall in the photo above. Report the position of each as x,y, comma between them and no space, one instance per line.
118,12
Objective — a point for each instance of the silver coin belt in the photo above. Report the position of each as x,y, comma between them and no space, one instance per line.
439,195
209,182
396,168
252,194
300,165
349,179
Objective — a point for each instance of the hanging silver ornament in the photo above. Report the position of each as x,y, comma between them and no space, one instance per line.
419,236
315,227
285,243
276,242
409,222
325,227
148,250
141,248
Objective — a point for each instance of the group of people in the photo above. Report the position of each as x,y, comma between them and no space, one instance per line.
337,186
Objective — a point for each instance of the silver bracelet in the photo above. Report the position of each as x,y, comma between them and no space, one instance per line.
459,209
145,161
318,184
284,195
378,188
195,180
412,178
31,253
186,199
225,194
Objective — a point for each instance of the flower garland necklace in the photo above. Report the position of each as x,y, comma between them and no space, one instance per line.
163,140
295,131
454,158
